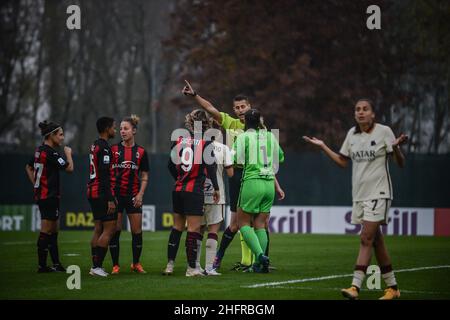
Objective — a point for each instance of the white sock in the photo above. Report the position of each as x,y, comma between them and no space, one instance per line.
389,279
199,254
358,278
210,254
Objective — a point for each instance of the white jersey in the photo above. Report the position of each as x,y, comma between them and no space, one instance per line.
223,160
368,152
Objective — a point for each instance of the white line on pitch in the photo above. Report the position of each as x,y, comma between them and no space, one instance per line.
338,289
336,276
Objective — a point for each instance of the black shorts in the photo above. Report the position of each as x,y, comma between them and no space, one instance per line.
49,209
100,210
235,187
188,203
126,204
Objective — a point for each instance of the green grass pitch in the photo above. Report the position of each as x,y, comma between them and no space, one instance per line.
296,257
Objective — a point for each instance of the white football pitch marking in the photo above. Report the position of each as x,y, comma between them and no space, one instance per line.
336,276
363,290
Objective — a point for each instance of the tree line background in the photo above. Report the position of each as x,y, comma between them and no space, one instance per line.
302,63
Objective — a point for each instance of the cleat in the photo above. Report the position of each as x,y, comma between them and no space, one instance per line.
137,267
115,269
58,268
199,267
265,262
239,267
168,271
350,293
212,272
98,272
217,262
193,272
390,294
45,269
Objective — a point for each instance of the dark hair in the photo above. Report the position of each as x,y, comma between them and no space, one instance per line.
252,119
369,101
241,97
198,115
104,123
48,128
133,120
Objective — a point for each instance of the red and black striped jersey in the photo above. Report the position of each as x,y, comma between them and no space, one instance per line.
101,175
47,162
190,165
127,162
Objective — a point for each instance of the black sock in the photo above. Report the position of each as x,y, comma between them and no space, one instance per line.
42,248
227,237
136,244
100,254
394,287
191,247
93,255
53,248
114,248
174,243
268,243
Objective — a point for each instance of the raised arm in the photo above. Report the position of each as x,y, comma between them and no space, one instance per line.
398,156
68,153
340,160
205,104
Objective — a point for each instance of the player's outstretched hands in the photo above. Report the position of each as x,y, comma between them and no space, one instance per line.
188,91
67,150
314,141
400,140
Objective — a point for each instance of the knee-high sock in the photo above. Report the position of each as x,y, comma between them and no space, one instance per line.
136,244
191,247
252,240
247,255
388,276
94,255
358,276
42,249
100,253
114,248
227,237
199,252
173,244
262,238
266,253
53,248
210,253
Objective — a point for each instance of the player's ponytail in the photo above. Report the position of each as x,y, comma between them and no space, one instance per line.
133,120
253,120
48,128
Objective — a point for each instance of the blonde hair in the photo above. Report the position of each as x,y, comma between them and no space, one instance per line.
133,120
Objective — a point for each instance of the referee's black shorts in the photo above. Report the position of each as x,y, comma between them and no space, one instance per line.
235,187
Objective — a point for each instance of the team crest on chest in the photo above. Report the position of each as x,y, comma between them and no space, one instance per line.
137,155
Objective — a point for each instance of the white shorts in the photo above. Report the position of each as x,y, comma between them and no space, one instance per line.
371,210
213,214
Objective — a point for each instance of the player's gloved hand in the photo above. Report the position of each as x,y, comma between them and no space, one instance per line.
216,196
111,207
188,91
137,200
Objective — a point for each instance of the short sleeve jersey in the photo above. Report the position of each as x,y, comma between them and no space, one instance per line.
46,163
223,159
369,154
259,152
